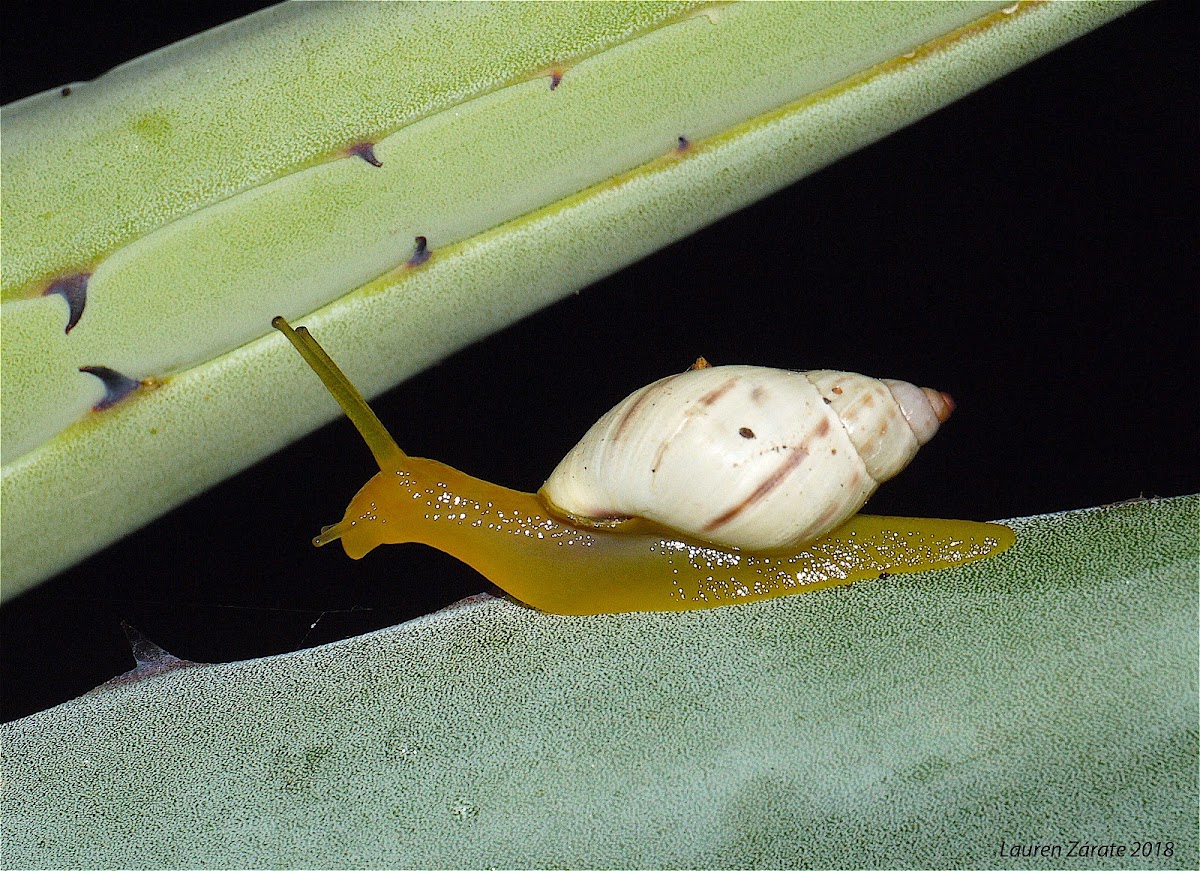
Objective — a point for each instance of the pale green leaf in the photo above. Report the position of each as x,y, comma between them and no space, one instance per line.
1043,697
525,194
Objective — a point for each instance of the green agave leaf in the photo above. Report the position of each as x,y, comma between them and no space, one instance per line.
216,201
1043,697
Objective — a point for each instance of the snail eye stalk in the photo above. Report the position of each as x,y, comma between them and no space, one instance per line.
387,453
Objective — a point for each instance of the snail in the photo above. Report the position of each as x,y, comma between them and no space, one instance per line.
718,485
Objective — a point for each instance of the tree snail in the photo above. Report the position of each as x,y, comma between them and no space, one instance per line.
715,486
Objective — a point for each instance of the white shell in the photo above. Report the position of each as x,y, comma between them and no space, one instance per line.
746,456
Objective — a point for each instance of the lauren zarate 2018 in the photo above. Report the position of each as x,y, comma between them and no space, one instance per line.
1089,850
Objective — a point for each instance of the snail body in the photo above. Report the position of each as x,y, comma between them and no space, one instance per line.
584,545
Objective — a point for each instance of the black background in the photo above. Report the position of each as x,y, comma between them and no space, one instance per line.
1031,248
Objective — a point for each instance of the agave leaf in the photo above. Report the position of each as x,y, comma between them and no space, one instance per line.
183,277
1045,696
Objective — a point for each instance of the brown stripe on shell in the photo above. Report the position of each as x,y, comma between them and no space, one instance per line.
633,409
834,509
717,392
794,458
658,456
858,410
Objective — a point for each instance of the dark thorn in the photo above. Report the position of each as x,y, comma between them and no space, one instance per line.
151,660
421,252
365,150
683,144
66,92
72,288
116,385
145,651
555,78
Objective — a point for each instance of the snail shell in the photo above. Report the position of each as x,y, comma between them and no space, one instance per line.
746,456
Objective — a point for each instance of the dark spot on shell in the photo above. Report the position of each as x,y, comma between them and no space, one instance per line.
827,400
746,433
556,76
421,252
72,288
66,92
116,385
683,144
365,150
838,391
